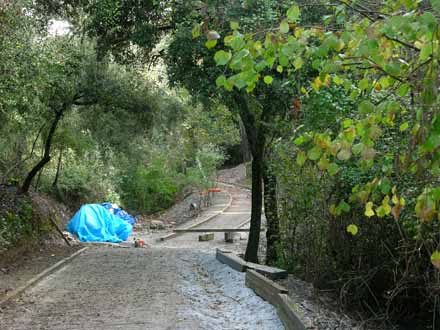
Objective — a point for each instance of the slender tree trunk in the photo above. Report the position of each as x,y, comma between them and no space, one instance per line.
46,156
244,143
271,212
57,174
256,139
257,203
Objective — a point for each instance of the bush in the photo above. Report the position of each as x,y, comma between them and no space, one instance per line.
17,221
384,267
150,189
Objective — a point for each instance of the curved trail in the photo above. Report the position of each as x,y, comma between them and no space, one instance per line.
233,217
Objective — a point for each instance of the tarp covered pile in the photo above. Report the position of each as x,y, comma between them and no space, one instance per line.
101,223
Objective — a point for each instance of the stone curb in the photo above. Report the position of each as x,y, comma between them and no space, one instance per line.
288,311
238,185
234,261
40,276
174,234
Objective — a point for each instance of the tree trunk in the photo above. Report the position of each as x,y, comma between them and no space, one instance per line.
246,154
46,156
57,174
256,137
257,203
271,212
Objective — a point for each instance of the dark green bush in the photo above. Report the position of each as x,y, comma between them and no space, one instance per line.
150,189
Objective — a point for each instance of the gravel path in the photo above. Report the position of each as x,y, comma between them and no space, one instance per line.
175,285
235,215
134,289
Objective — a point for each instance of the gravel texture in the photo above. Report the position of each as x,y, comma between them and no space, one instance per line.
29,264
221,301
134,289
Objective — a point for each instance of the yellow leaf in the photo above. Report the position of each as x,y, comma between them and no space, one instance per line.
369,209
298,63
352,229
386,205
340,46
402,201
435,259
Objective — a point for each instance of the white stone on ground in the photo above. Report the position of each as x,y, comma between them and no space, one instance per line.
220,300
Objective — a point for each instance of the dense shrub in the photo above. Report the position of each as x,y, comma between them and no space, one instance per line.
17,221
149,189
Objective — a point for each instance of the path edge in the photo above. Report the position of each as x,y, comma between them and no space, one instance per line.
288,311
175,234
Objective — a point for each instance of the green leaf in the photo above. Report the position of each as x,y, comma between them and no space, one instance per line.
284,26
293,14
425,52
284,60
222,58
301,158
436,124
298,63
352,229
240,81
268,80
323,163
403,90
366,107
196,31
337,80
234,25
343,206
211,43
385,82
333,169
314,153
385,186
364,84
220,81
431,143
299,140
404,126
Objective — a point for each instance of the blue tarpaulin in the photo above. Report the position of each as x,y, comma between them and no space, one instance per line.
116,210
94,223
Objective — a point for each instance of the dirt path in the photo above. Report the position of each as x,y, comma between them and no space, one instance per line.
134,289
235,215
174,285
